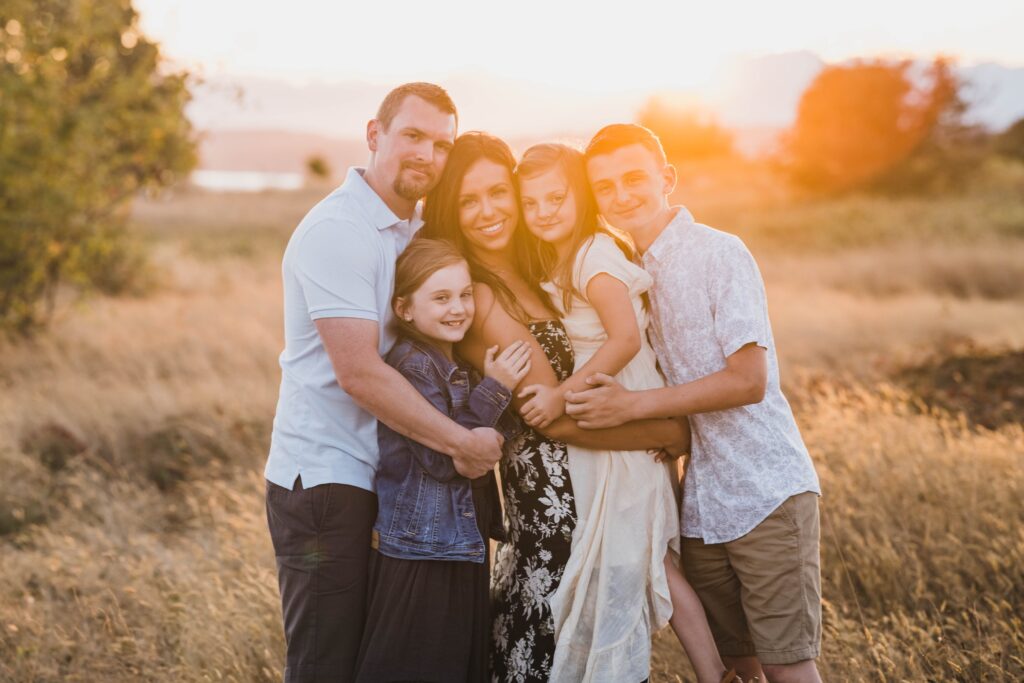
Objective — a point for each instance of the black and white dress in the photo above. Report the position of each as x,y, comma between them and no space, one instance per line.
541,515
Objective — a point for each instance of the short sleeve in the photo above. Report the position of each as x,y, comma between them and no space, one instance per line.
602,255
337,268
738,302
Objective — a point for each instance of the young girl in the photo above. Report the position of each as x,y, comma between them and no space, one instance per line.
620,583
427,611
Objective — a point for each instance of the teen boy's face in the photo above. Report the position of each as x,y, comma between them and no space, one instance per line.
631,186
413,150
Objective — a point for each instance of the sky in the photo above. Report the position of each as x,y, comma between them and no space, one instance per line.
590,47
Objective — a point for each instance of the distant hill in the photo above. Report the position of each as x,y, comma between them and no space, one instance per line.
280,151
262,124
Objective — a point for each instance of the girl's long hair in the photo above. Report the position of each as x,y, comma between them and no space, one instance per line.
441,218
540,159
421,259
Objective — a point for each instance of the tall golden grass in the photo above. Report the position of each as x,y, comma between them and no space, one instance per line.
134,431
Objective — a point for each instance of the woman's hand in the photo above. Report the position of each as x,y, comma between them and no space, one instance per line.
510,366
680,445
546,406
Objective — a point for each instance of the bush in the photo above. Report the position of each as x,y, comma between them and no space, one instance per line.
884,126
686,132
1011,142
87,120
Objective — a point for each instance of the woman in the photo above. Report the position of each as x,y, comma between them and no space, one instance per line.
475,206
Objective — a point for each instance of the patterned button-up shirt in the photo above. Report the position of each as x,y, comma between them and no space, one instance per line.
707,302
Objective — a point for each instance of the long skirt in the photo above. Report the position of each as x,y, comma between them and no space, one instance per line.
428,620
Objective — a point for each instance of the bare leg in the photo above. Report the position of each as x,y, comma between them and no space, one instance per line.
748,668
691,627
801,672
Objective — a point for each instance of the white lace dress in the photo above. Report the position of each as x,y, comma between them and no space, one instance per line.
614,593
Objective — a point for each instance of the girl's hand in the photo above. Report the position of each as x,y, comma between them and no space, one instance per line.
546,406
510,367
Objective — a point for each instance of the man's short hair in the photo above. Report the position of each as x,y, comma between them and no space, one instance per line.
616,135
434,94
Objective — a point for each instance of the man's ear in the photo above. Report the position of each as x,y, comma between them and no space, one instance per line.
670,178
372,132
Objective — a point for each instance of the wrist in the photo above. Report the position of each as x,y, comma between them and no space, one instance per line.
635,406
459,442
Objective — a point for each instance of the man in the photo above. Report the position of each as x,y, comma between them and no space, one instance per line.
338,273
750,509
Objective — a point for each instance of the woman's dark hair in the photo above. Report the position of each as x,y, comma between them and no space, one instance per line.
441,218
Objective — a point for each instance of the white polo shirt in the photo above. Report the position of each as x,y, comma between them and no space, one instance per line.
340,263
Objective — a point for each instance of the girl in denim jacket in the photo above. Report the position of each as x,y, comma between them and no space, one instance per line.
428,594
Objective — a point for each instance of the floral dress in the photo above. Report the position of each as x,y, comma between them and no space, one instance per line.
541,515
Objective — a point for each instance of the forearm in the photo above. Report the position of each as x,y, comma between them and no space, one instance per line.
632,436
610,359
384,393
721,390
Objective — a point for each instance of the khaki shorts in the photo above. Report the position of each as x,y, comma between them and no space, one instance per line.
762,591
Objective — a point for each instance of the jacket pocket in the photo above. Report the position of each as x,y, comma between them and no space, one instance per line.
413,504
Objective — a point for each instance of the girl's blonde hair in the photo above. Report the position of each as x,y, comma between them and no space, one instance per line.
540,159
421,259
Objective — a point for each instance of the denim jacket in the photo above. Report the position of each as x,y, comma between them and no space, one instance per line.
425,507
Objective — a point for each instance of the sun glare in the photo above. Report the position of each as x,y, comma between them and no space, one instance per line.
576,45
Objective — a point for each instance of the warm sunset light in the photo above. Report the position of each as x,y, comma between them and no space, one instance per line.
547,341
578,45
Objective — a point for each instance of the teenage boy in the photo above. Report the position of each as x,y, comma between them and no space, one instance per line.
750,500
338,274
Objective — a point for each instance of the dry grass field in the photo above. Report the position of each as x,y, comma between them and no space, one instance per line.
133,544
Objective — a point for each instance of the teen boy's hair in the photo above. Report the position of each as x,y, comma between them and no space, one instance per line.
616,135
434,94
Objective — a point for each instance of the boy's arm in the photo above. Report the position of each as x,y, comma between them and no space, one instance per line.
741,332
351,344
608,404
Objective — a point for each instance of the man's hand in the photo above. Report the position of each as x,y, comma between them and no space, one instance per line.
606,405
477,456
546,405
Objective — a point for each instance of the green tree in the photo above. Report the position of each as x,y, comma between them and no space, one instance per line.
687,133
88,118
877,124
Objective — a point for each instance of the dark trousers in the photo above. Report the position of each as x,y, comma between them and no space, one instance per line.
321,539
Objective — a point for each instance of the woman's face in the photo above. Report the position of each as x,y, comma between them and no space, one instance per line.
487,206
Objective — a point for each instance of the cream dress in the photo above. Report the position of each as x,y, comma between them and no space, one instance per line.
614,592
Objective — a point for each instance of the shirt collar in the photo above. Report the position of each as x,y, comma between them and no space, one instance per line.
380,216
445,367
676,227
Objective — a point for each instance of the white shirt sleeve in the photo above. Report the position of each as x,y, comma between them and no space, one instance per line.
604,256
337,268
738,301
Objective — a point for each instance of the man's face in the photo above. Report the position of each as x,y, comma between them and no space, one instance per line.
411,153
631,186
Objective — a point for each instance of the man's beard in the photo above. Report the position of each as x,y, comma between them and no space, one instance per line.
410,189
